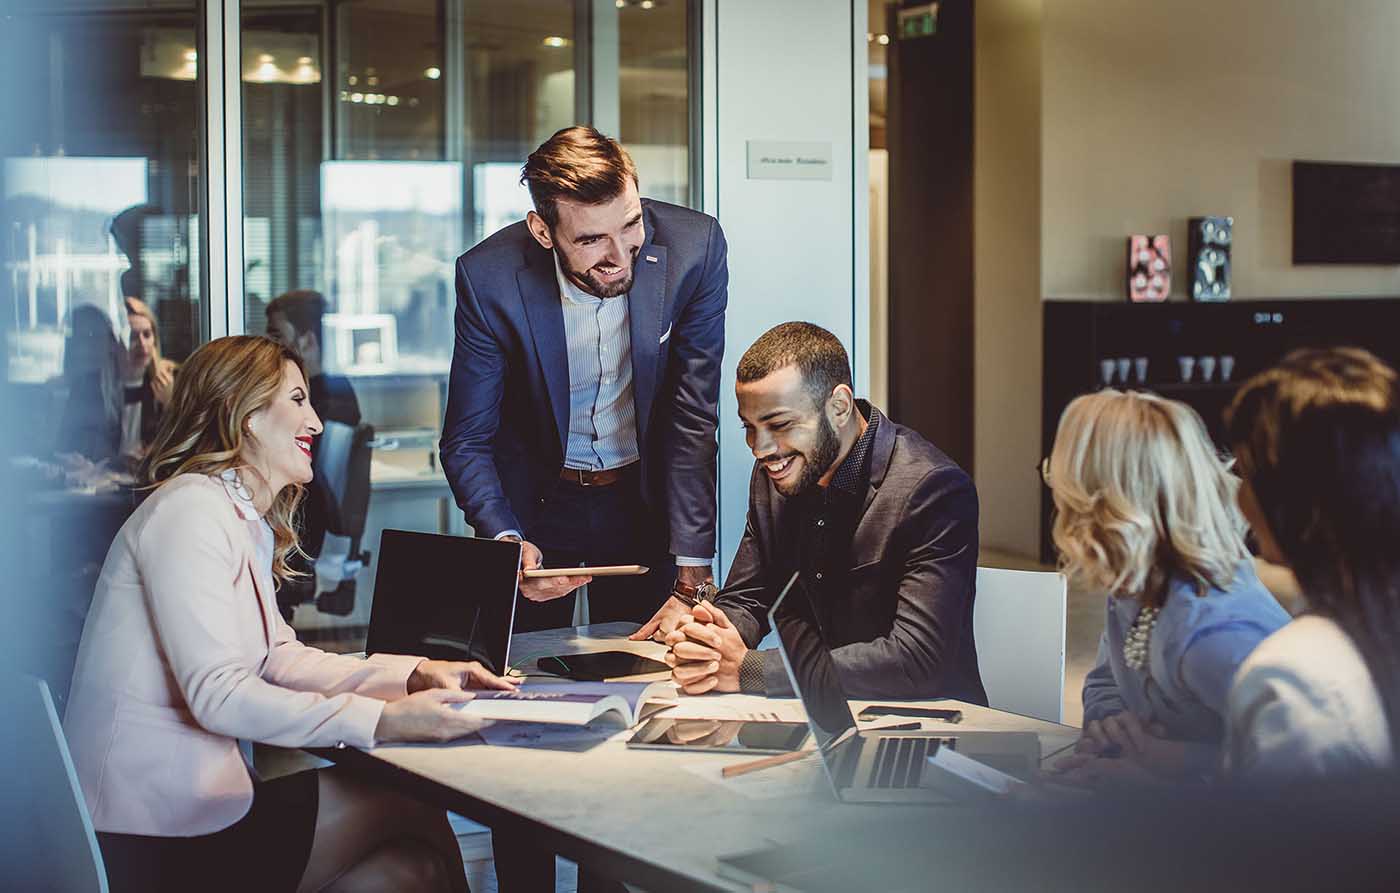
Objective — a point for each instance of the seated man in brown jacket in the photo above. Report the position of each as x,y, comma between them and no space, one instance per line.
880,523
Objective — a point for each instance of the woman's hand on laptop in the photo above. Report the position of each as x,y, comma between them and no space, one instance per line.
544,589
455,675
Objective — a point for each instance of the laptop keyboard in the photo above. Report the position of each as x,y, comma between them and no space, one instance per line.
899,762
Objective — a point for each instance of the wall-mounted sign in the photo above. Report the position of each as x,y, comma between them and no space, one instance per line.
770,160
917,21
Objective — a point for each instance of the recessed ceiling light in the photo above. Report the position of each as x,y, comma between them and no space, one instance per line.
553,41
433,73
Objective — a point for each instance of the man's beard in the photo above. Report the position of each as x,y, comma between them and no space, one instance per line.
819,461
586,281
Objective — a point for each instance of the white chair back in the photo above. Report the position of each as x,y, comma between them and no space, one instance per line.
46,826
1018,621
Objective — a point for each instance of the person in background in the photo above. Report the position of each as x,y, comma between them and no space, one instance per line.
147,379
294,319
880,523
1145,513
1317,440
184,660
91,424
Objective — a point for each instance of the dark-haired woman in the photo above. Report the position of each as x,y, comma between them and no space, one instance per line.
1317,440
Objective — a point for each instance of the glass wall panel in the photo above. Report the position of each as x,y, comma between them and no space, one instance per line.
99,248
654,94
382,139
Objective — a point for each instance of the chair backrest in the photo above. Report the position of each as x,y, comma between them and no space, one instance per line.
46,837
1018,622
343,468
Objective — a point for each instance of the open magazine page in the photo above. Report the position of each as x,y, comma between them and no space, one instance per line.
573,703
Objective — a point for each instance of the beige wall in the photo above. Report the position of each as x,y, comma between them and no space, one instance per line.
1006,258
1155,112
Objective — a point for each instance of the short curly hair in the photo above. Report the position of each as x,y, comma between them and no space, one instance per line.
818,355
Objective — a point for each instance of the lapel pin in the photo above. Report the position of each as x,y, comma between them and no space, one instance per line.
651,259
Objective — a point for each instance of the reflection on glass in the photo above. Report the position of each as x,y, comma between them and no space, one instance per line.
99,236
383,138
654,95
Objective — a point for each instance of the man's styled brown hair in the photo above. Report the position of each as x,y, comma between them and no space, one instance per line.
577,163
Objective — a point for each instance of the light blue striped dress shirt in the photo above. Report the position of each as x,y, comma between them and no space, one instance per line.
602,414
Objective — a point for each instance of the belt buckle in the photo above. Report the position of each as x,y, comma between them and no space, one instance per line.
582,482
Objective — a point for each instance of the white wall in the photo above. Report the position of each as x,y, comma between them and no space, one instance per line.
1155,112
1006,273
784,70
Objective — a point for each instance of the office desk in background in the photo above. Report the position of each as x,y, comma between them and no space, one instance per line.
640,815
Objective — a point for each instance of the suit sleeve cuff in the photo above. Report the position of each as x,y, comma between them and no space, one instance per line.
392,684
751,676
687,561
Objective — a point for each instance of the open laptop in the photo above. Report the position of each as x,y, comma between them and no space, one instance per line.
444,597
874,766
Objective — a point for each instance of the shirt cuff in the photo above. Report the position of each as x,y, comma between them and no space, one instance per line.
751,673
684,561
505,533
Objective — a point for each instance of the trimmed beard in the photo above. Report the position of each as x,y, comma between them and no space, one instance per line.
819,461
595,288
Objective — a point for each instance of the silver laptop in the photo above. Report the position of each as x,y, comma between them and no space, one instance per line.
874,766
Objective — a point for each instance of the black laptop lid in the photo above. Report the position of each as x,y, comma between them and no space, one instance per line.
444,597
810,668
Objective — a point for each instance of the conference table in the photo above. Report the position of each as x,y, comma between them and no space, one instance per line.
659,820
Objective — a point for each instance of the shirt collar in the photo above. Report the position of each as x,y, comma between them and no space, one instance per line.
239,493
854,471
567,290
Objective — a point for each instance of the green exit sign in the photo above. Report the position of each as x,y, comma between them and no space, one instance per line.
917,21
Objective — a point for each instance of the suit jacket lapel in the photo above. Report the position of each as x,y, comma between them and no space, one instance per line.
645,312
539,290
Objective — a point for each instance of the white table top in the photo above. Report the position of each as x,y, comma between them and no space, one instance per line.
659,818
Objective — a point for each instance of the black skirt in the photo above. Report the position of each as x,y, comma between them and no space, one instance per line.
267,849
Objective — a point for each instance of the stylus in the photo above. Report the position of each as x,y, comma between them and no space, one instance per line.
754,765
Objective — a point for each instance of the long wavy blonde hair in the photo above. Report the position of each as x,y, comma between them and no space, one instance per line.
1141,495
204,429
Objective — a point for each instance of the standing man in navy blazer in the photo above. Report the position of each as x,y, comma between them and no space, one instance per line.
582,408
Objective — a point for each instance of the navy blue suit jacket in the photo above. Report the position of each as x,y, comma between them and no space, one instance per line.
507,421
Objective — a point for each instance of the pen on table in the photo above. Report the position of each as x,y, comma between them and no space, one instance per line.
754,765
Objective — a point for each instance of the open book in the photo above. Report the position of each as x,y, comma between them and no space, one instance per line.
574,703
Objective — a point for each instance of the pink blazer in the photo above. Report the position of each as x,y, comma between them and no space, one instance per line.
183,653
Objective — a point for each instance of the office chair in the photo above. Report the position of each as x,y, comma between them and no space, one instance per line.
342,489
345,454
47,840
1018,622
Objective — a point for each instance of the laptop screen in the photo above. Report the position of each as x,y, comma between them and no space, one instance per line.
444,597
810,669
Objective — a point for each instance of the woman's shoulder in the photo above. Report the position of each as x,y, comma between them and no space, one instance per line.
1312,648
1306,692
1244,599
200,497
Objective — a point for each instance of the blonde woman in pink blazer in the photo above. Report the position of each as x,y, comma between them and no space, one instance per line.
185,658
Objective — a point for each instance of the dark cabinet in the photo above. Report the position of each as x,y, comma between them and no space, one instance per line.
1196,353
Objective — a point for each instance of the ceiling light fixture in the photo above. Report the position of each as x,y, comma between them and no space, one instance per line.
433,73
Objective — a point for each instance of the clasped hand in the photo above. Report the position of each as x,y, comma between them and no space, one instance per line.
706,651
1123,751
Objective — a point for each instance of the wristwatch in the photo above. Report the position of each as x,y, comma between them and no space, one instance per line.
693,595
